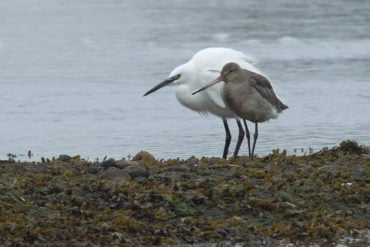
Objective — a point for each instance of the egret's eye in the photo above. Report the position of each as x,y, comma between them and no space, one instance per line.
178,76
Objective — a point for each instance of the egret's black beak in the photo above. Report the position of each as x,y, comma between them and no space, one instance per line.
162,84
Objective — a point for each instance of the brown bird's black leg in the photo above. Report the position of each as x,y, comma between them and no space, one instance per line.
247,134
255,139
240,138
228,138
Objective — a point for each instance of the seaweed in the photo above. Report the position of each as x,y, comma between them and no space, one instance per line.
321,198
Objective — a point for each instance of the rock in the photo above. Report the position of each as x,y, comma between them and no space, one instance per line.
140,179
92,170
108,163
125,205
121,237
64,158
21,169
153,169
181,168
284,196
145,158
115,174
40,169
177,168
365,156
349,147
123,163
136,171
7,161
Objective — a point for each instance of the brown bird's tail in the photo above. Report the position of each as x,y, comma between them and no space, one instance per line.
281,106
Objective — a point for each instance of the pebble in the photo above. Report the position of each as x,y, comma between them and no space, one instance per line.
115,174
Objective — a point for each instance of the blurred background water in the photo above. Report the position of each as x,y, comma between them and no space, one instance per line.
73,72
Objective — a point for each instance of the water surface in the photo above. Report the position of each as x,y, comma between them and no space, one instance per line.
72,74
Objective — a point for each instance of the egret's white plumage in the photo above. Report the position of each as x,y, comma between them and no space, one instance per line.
202,68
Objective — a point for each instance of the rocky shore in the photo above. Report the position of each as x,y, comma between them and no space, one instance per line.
277,200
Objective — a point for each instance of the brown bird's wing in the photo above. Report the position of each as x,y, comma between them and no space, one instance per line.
264,88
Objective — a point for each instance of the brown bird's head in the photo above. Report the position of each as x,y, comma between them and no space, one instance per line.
228,73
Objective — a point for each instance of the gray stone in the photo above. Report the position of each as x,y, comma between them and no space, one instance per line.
115,174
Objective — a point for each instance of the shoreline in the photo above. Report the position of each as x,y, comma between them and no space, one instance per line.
30,155
321,198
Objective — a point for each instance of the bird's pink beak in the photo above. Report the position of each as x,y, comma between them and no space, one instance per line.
217,80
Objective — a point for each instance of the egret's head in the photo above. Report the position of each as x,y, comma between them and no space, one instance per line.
176,77
180,73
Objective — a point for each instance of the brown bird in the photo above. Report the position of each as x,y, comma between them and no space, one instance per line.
250,96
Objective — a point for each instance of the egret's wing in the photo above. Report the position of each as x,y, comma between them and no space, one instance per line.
246,64
211,60
214,92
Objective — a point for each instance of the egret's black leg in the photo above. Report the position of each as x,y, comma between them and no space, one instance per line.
240,138
247,134
228,139
255,139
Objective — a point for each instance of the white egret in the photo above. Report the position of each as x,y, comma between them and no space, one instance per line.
203,67
249,95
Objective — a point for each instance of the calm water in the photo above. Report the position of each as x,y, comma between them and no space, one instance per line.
72,74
